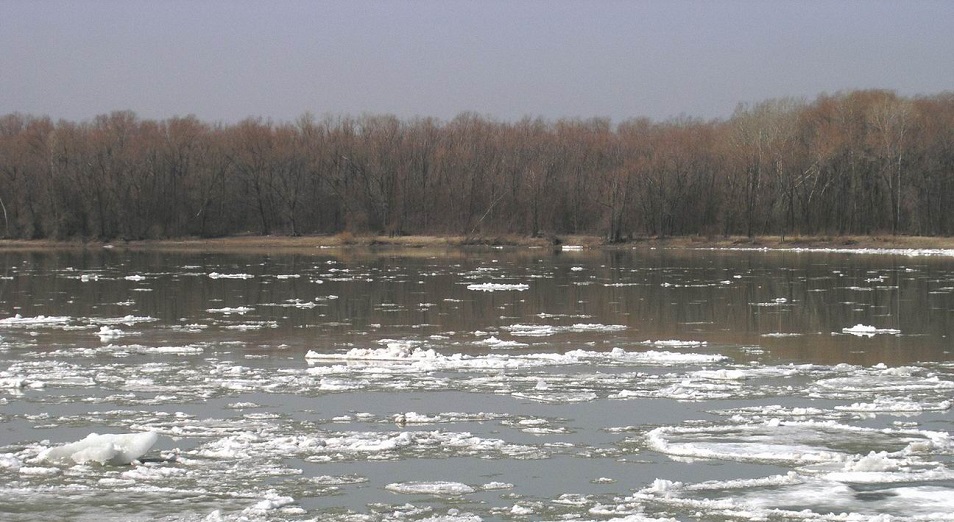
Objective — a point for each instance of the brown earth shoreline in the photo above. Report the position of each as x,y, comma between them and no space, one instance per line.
347,241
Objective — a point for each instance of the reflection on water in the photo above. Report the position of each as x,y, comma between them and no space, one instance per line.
792,306
478,385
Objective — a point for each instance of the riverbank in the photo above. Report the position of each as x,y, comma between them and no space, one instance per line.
283,243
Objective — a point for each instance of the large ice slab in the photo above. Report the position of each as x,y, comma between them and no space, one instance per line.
105,449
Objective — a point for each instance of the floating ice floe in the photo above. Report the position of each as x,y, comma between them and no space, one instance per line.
15,383
799,443
675,343
593,327
545,330
271,501
895,494
128,320
156,350
532,330
106,333
240,310
216,275
881,381
498,287
10,461
294,303
723,374
40,320
695,285
104,449
778,301
862,330
439,488
499,344
419,359
395,350
896,406
252,325
909,252
361,445
546,396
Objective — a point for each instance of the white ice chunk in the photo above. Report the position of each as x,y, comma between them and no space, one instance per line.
106,333
241,310
396,350
10,461
895,405
40,320
532,330
128,320
545,330
38,471
271,501
595,327
497,287
723,374
675,343
216,275
493,342
862,330
873,462
430,488
420,359
14,383
105,449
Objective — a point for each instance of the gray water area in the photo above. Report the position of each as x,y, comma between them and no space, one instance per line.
486,384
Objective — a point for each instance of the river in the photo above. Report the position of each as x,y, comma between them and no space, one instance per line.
484,384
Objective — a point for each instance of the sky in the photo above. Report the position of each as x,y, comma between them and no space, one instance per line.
224,61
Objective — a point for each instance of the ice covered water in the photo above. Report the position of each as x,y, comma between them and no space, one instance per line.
476,385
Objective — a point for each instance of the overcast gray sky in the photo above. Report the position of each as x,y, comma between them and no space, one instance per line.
227,60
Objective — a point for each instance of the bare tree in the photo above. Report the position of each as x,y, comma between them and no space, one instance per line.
854,162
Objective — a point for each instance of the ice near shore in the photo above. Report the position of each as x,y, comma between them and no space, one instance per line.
114,449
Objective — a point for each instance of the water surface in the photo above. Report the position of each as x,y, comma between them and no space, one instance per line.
479,385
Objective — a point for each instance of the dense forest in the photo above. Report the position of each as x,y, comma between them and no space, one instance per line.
858,162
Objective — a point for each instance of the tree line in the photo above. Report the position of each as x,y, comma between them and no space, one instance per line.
857,162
